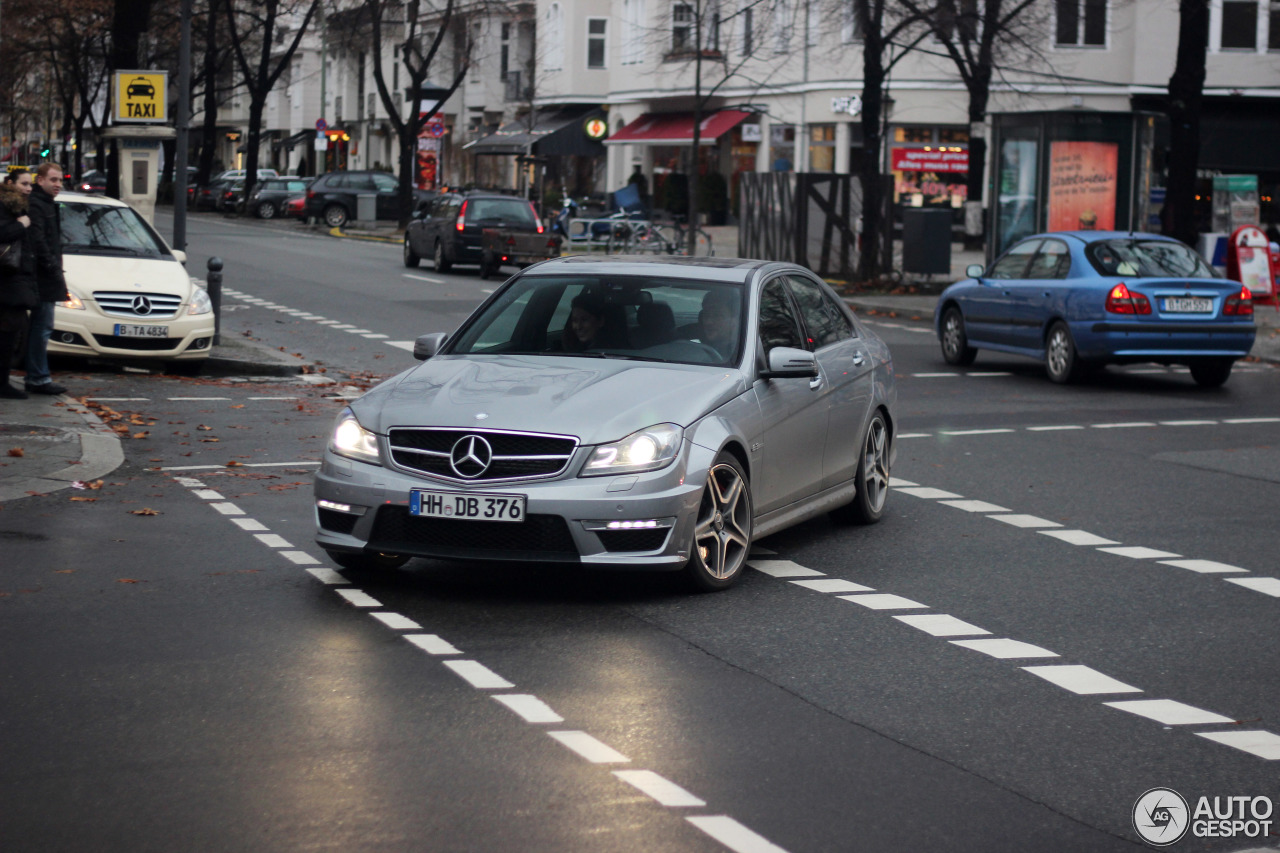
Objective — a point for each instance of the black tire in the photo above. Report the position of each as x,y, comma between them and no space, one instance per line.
367,561
871,478
955,343
441,263
265,210
335,216
1212,373
722,532
487,265
411,259
1061,361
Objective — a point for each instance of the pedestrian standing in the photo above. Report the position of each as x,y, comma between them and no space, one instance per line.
17,285
46,228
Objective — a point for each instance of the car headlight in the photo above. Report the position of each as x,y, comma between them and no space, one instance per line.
352,440
647,450
74,302
200,303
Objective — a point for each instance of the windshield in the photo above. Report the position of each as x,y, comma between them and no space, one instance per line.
647,319
97,229
1146,259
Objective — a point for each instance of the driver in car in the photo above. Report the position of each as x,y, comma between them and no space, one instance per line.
718,322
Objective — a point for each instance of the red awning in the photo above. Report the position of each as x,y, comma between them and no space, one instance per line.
677,128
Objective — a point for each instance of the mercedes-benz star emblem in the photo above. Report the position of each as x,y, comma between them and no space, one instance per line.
470,456
141,306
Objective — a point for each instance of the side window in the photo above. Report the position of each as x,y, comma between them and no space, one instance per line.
361,183
1015,261
385,183
337,182
1052,261
778,326
822,317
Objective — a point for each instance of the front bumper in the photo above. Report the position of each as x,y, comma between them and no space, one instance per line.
560,515
87,332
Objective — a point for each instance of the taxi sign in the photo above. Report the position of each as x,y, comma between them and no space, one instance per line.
141,97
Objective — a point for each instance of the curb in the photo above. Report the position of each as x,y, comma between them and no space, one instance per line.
338,232
101,452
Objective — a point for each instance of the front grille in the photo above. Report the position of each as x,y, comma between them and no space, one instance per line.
126,304
118,342
338,522
633,540
515,455
537,538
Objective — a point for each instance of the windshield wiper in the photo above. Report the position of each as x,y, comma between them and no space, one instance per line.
100,247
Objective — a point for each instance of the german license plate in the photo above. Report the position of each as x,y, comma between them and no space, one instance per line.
466,506
1188,305
130,330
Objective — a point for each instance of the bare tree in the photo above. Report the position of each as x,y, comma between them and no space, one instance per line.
260,27
1186,92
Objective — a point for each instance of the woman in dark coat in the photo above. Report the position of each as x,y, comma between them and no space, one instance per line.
17,287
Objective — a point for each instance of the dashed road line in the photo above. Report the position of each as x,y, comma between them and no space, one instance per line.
595,751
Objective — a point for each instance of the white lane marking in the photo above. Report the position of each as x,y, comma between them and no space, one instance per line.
915,435
208,494
932,375
1203,566
1138,552
300,464
227,508
1251,420
1169,712
299,558
249,524
782,569
833,585
354,331
941,625
975,506
531,708
189,482
1267,586
919,331
343,326
1129,425
431,644
1187,423
1077,537
1079,679
1262,744
196,399
404,345
328,576
1026,521
374,336
118,399
883,601
894,482
988,373
327,322
665,792
423,278
272,540
358,598
975,431
1006,649
478,675
928,493
734,835
396,621
1053,428
273,398
590,748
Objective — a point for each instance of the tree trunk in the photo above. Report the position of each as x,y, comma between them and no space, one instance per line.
975,183
1186,92
873,196
257,105
407,141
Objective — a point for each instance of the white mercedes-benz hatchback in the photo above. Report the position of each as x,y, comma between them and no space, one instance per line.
131,296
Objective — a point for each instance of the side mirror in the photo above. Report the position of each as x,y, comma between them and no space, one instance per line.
418,213
179,256
788,362
428,345
974,270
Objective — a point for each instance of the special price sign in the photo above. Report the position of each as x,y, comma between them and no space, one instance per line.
946,159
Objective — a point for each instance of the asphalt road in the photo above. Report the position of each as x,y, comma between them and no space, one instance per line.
184,671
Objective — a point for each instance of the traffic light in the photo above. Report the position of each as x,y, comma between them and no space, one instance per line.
44,152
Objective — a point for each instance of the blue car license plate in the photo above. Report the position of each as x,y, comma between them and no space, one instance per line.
466,506
1188,305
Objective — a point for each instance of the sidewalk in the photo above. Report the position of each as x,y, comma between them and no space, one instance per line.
49,443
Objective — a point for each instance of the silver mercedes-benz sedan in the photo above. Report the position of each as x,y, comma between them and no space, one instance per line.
618,412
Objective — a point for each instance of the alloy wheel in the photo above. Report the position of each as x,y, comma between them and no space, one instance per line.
875,465
722,533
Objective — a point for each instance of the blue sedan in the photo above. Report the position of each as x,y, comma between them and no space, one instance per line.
1078,300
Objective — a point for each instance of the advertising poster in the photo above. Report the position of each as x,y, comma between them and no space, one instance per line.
1082,186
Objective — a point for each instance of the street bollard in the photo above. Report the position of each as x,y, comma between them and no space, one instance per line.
213,286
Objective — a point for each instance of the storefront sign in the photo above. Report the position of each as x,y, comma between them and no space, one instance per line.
848,104
1082,186
945,159
751,133
596,128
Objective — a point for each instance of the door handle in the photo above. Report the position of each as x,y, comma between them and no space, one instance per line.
857,359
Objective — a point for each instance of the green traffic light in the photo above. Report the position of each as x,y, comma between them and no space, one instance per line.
45,152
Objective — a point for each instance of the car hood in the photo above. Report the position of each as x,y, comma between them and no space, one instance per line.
88,273
598,400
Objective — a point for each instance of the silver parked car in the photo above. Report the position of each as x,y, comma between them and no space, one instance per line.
618,412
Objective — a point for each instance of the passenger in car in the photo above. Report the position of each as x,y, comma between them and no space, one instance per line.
590,326
718,322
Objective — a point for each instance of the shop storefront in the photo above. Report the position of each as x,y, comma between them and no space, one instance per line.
930,166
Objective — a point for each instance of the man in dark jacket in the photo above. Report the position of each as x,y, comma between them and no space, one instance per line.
17,286
46,235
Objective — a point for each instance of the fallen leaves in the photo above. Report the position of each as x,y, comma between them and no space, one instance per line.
81,498
17,452
93,484
234,464
146,510
128,580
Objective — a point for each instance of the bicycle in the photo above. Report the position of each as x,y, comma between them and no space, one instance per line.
659,239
